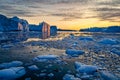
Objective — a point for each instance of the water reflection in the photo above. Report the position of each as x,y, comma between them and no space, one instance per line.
22,36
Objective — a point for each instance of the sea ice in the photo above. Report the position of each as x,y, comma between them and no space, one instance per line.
82,68
51,75
12,73
74,53
108,41
11,64
70,77
42,58
42,74
33,67
115,51
108,76
7,46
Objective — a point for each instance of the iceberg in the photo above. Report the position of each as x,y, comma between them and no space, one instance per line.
12,73
74,53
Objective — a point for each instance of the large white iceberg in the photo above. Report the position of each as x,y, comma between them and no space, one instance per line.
42,58
82,68
74,53
70,77
12,73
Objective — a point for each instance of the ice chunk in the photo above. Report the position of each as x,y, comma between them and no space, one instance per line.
51,75
115,51
70,77
85,76
108,41
33,67
11,64
108,76
12,73
82,68
42,74
74,53
42,58
7,46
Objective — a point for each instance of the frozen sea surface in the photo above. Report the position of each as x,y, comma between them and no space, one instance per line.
100,49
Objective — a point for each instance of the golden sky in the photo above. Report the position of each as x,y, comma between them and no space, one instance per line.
66,14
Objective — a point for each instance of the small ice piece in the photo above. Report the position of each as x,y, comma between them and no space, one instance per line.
82,68
51,75
86,38
115,51
12,73
70,77
44,70
108,76
11,64
34,51
42,74
75,44
28,79
108,41
33,67
85,76
7,46
74,53
43,58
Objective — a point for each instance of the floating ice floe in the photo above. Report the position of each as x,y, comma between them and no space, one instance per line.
11,64
88,69
108,76
42,58
108,41
74,53
86,38
33,67
85,76
7,46
42,74
70,77
50,75
12,73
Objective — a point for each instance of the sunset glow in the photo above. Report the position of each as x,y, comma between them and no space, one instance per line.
66,14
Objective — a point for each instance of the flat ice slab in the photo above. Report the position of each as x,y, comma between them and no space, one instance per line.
42,58
74,53
11,64
12,73
70,77
88,69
